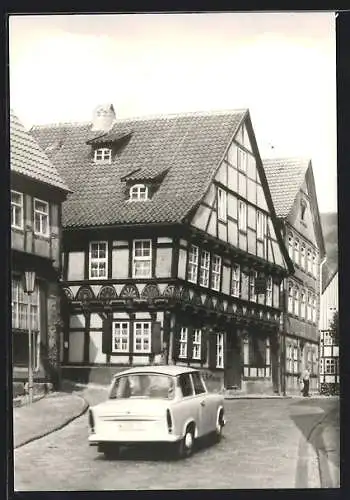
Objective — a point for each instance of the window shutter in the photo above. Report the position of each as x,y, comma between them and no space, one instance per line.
176,343
212,350
189,343
204,345
107,335
156,338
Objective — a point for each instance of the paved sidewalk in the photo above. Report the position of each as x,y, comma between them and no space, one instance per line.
328,449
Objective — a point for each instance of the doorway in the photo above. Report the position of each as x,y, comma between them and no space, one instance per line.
233,361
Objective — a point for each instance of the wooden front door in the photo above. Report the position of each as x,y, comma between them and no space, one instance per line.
233,361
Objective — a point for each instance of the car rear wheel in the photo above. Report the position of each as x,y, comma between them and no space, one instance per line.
110,450
219,426
185,447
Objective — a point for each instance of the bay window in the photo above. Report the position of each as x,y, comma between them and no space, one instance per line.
17,210
216,272
296,301
98,259
192,267
302,304
142,259
204,269
296,251
302,257
235,282
41,217
290,298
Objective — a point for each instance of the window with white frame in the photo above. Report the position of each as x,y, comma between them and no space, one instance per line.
138,192
330,366
314,309
326,338
260,225
98,259
309,261
269,287
222,205
120,336
236,280
142,336
291,246
242,216
289,358
290,298
219,350
216,272
19,301
183,342
192,266
142,259
321,366
103,155
314,265
16,210
196,346
41,217
242,159
309,306
252,294
302,256
302,304
204,268
296,301
295,359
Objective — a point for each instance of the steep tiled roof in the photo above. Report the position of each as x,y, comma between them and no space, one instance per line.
27,158
190,146
285,177
328,273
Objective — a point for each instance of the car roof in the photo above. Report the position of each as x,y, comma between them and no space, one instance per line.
172,370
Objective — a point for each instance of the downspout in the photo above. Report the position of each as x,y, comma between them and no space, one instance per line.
324,260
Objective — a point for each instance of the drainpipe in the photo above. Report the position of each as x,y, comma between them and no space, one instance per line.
319,320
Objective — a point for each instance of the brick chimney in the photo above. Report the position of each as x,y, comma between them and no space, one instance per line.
103,118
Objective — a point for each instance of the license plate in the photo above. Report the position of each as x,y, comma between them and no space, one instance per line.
131,426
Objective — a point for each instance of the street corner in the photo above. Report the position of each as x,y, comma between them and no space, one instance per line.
51,413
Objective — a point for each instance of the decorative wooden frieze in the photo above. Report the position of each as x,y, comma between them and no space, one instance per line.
196,299
107,293
172,291
68,293
85,294
208,302
150,292
130,291
185,294
244,310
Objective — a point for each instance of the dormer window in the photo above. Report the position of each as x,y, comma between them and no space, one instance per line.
103,155
138,192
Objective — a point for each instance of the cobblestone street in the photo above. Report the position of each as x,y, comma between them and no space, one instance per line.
264,446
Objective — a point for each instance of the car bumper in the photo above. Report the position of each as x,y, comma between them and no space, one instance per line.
126,437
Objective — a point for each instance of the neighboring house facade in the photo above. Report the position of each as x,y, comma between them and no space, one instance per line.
37,193
329,347
292,187
169,224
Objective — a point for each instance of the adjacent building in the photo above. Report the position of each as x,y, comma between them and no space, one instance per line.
37,193
329,345
171,245
292,187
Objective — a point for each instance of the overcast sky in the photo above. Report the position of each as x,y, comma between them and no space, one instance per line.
279,65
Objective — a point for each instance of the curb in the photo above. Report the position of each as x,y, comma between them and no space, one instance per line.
18,402
60,426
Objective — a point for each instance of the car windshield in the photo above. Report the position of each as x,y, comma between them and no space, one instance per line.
143,385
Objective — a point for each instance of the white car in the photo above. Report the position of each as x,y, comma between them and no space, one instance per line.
156,404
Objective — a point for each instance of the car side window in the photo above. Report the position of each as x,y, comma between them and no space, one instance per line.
186,385
198,383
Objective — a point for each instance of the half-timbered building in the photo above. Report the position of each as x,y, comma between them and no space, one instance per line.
329,344
292,187
37,193
169,226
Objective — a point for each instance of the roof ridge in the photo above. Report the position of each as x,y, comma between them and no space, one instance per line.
145,117
287,158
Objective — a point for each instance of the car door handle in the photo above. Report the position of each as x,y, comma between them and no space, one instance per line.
202,403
